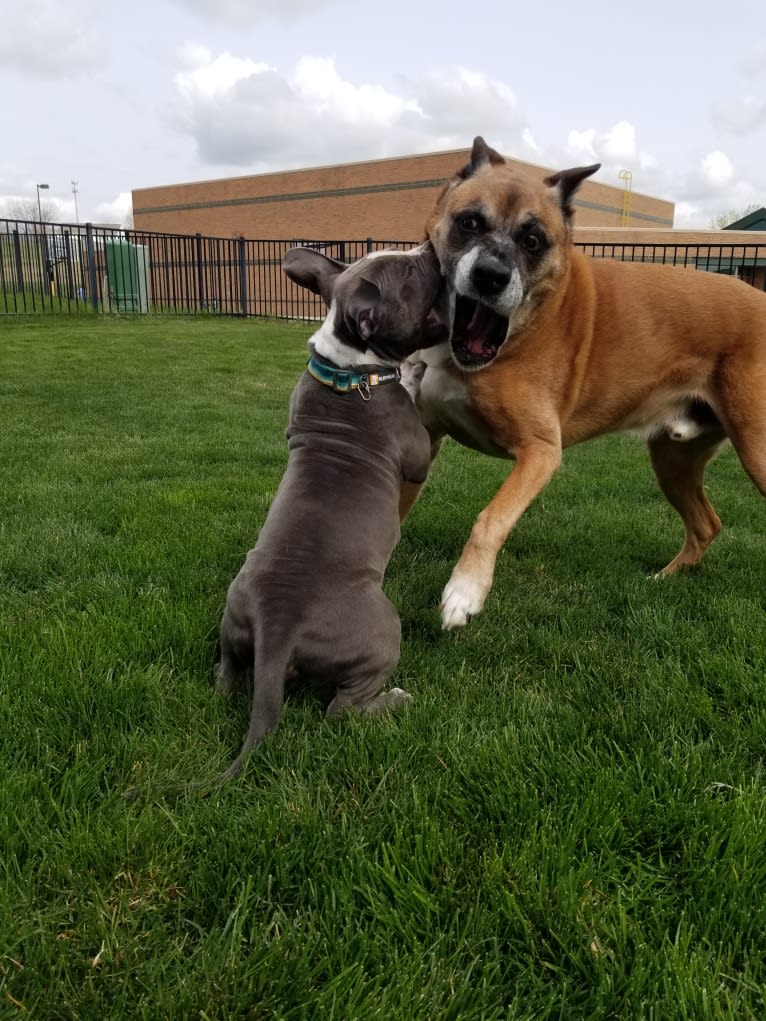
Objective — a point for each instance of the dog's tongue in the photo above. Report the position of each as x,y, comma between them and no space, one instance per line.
477,330
475,335
476,345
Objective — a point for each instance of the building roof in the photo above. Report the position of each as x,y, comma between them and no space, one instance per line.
753,221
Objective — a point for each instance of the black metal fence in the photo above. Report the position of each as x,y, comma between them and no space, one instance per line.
742,260
64,268
74,269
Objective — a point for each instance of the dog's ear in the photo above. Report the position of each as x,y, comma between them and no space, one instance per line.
368,322
362,308
567,182
481,154
313,270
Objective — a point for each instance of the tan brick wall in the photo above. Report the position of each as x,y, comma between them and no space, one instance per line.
383,199
741,252
658,236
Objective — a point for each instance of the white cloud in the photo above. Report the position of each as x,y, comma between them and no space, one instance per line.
119,210
619,143
529,140
241,112
687,214
717,169
214,79
460,103
712,188
744,114
582,144
740,116
191,54
699,195
753,62
617,147
45,39
244,12
319,85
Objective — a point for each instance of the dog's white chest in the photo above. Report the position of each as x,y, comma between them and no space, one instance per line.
444,405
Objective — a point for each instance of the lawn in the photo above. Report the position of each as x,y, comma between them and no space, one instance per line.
569,822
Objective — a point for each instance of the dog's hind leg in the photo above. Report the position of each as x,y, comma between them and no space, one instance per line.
680,470
743,412
360,681
236,664
751,450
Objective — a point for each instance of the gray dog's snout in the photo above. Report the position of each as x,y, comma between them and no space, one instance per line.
490,276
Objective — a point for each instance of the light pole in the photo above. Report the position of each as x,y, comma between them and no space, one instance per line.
76,212
39,207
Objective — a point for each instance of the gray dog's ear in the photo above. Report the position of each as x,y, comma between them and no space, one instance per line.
313,270
567,182
481,154
362,308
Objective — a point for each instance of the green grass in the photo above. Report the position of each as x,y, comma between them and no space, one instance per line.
569,823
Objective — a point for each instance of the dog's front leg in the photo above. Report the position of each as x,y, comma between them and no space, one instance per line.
408,495
410,491
471,578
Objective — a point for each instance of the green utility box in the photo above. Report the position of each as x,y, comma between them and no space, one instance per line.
127,274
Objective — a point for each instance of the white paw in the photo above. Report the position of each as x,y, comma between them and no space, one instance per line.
396,697
462,599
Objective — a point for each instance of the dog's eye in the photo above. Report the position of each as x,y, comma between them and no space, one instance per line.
532,242
469,224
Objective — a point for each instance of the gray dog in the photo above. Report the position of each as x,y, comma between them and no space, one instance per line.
309,602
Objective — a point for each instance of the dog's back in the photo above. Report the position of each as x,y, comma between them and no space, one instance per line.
309,599
336,510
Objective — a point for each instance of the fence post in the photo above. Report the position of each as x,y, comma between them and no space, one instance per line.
369,245
17,259
69,273
242,277
200,271
47,265
92,281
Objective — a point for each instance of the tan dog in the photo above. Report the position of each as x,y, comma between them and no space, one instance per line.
549,347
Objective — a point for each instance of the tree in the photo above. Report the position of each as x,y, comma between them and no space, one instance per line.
26,209
724,219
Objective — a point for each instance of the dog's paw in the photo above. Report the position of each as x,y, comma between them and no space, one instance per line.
395,698
412,377
383,702
463,598
224,684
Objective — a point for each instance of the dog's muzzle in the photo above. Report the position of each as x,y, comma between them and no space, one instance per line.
485,285
489,276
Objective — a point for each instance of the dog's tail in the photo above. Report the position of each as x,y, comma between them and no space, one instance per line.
269,679
265,711
271,662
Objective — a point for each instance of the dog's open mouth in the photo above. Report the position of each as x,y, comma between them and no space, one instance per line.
478,333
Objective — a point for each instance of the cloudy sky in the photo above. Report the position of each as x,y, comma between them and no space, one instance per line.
144,93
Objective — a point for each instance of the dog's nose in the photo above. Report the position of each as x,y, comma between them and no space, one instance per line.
490,276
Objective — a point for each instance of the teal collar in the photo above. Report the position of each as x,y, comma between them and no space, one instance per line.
343,381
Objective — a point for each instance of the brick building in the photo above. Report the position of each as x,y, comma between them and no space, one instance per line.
385,199
388,201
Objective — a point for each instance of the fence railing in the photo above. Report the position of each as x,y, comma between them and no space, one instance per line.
745,261
85,269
